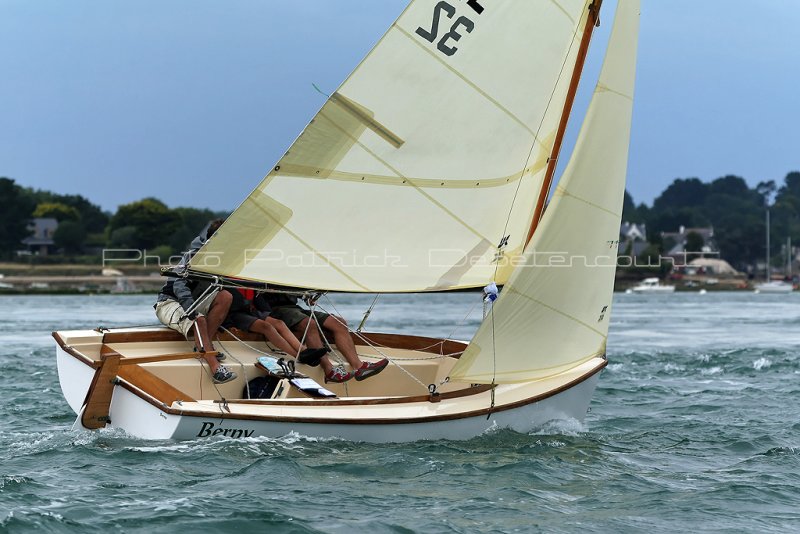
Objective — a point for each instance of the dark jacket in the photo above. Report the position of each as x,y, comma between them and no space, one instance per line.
258,307
181,289
279,300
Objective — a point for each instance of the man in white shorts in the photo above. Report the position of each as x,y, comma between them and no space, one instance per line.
196,311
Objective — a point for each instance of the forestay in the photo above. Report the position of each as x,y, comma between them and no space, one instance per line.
554,312
423,168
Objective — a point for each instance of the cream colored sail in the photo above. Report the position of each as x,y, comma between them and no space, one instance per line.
554,312
426,160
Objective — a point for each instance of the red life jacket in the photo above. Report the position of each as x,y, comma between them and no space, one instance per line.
248,294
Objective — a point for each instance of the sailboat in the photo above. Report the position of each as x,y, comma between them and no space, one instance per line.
428,170
771,286
651,285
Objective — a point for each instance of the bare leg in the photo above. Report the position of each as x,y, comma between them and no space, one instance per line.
313,340
341,336
326,364
273,336
209,325
217,313
205,344
286,334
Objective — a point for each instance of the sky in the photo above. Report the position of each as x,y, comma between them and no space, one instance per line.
193,101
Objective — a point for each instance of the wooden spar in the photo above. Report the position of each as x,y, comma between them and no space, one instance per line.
580,60
135,360
98,399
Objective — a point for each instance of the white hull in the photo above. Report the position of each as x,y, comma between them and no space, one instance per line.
569,405
774,287
520,407
658,289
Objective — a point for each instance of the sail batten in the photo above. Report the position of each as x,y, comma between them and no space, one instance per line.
419,171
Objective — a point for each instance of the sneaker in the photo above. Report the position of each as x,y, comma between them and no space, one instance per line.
370,369
338,375
311,356
223,375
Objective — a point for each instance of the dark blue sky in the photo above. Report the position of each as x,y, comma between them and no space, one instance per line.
193,101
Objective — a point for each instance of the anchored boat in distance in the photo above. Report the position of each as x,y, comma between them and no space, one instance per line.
652,285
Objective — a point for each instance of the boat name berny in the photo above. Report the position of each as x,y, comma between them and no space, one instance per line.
208,430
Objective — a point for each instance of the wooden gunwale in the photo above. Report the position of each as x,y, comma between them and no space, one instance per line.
94,364
399,341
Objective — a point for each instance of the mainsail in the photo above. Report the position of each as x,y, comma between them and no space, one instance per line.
553,314
421,171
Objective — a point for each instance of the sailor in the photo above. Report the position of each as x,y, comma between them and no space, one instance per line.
195,309
284,307
253,315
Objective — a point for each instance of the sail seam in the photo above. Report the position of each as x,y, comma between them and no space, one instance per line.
606,89
409,180
564,314
472,85
564,193
564,11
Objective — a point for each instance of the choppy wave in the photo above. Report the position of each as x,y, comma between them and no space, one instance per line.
694,427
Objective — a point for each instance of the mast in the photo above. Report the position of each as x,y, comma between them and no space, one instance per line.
592,21
769,278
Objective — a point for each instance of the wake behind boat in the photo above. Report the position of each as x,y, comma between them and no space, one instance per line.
431,165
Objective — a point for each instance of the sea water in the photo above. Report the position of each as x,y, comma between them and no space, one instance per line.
694,427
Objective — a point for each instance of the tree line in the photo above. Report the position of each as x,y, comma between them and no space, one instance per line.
736,211
84,228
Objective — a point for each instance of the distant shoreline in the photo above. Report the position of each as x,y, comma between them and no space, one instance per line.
76,279
54,285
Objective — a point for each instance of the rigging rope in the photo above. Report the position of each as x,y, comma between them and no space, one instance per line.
367,314
202,298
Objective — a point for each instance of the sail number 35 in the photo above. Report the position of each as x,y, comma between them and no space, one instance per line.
461,24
